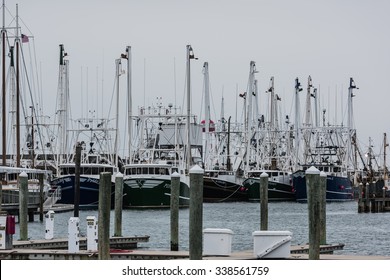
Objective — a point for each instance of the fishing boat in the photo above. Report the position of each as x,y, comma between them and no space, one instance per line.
223,178
268,152
338,185
328,148
221,181
91,152
167,142
36,179
18,147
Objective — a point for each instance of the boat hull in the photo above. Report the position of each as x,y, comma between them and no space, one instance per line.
152,192
220,190
338,188
277,191
89,191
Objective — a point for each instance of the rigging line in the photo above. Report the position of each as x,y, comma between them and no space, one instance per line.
36,95
212,101
40,94
32,101
112,98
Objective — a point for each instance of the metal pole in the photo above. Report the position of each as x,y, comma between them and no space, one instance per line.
196,212
175,192
264,201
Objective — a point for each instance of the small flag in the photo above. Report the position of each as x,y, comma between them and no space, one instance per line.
24,38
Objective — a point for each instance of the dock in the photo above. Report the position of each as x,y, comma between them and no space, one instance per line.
62,243
139,254
374,205
126,248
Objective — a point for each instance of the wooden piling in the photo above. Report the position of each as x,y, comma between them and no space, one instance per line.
196,213
360,201
41,197
104,216
1,193
118,204
322,201
175,193
264,201
23,205
367,198
313,195
77,181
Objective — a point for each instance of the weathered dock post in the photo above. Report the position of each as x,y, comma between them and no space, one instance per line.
104,216
1,193
196,213
313,194
77,181
118,204
360,201
41,197
175,192
322,201
367,198
23,205
264,201
374,204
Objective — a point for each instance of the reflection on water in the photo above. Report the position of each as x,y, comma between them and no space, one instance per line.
362,234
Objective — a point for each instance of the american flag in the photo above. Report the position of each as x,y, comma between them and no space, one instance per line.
24,38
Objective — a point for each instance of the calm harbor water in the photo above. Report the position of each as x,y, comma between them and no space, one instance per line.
362,234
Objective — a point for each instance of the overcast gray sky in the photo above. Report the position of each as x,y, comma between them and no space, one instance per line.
330,40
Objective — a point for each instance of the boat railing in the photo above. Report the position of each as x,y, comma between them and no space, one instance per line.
11,196
52,198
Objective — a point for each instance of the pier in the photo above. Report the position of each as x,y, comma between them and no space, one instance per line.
371,201
126,248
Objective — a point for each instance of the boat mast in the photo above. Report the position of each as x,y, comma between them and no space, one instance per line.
315,96
17,43
385,145
190,55
118,73
13,101
129,98
207,112
63,92
308,123
350,119
272,125
297,118
272,105
251,83
3,89
257,127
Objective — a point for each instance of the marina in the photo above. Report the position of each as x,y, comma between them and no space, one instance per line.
191,170
361,234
